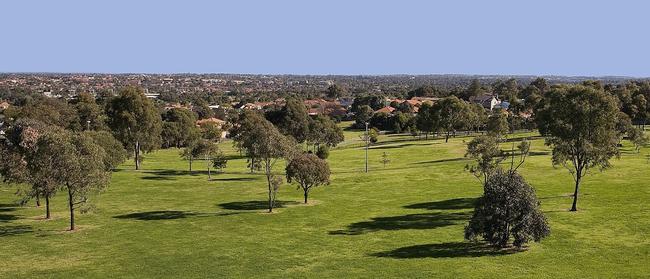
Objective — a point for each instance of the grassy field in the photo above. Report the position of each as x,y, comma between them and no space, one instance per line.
404,220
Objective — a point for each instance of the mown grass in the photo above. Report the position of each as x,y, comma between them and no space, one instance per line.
404,220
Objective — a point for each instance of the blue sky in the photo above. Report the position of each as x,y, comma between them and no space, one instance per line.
327,37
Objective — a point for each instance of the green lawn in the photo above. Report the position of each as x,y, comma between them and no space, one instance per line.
405,220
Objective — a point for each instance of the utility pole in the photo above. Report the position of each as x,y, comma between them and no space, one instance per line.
367,138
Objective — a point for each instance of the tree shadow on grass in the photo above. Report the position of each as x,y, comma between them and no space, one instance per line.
440,161
4,218
233,179
156,215
169,215
445,250
420,221
254,205
161,178
459,203
15,230
162,172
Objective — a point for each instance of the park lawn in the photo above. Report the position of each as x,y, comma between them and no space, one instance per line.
402,220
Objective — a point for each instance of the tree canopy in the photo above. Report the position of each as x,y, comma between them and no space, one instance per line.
580,124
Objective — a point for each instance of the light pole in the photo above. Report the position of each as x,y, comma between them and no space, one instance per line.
367,138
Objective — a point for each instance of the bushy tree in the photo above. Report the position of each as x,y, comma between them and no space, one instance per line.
362,116
74,162
487,155
91,115
292,120
508,209
324,131
308,171
425,121
264,143
179,128
450,114
135,122
335,91
579,122
115,153
497,125
323,152
50,111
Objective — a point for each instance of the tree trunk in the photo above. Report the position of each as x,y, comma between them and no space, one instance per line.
137,155
190,163
306,194
447,137
71,205
208,164
574,207
38,200
47,207
268,180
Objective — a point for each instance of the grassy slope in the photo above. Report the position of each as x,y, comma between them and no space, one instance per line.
403,220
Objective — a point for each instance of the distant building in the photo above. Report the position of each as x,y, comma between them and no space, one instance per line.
386,109
488,101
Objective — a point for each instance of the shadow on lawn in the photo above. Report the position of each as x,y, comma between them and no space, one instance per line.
459,203
15,230
440,161
420,221
156,215
169,215
254,205
445,250
234,179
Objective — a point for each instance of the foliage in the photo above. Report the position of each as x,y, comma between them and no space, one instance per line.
73,162
497,125
115,153
91,115
50,111
219,161
292,120
134,121
323,152
508,208
487,155
179,128
362,116
262,141
322,130
579,122
308,171
373,135
450,114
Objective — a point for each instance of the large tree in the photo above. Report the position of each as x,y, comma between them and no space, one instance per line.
425,121
508,208
263,142
308,171
80,167
497,124
91,115
135,121
451,114
579,122
20,163
292,119
179,128
322,130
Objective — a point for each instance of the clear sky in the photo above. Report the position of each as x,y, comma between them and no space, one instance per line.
327,37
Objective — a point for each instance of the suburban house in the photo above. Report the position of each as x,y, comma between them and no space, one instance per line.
488,101
386,109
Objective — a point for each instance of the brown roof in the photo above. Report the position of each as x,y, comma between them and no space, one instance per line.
387,109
